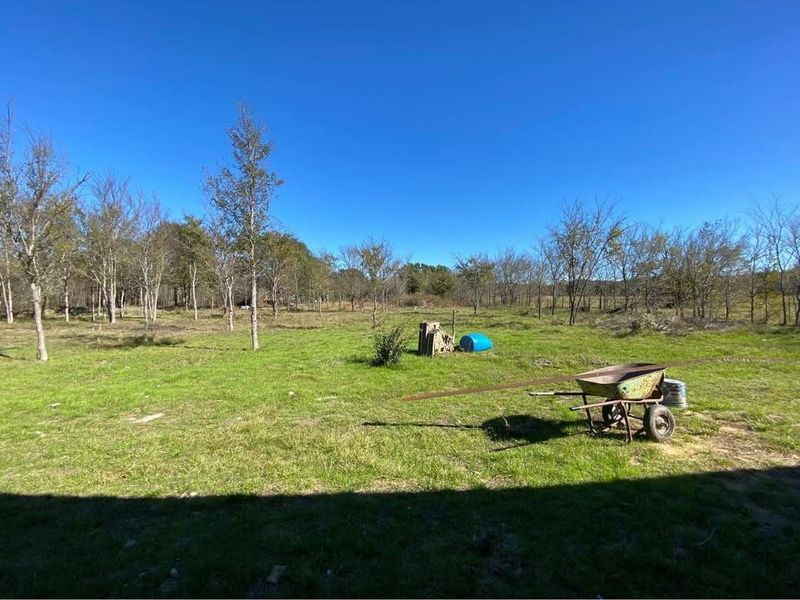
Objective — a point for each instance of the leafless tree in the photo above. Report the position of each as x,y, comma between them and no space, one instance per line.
67,257
36,200
6,276
8,190
242,193
107,224
509,268
624,254
318,273
794,251
350,275
535,276
194,248
582,238
278,251
224,262
554,267
151,256
476,272
378,264
774,218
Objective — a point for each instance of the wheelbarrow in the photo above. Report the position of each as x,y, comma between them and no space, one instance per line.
628,389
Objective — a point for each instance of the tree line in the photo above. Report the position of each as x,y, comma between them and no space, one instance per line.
72,242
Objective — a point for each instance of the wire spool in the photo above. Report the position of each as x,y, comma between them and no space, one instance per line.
674,394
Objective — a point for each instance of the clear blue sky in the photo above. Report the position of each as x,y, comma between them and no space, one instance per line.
477,118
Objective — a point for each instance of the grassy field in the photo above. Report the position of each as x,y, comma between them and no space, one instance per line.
191,466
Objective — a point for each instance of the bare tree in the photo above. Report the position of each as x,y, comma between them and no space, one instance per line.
350,275
477,272
535,276
242,195
6,276
623,254
318,273
554,268
278,251
151,256
509,268
67,256
107,224
378,264
8,190
35,202
774,218
582,238
754,255
194,247
794,251
224,262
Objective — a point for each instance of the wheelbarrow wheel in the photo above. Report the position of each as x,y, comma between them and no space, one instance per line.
612,413
659,423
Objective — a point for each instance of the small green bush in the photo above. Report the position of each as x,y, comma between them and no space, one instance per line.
389,346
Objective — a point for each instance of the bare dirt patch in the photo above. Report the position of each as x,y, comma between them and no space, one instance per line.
734,443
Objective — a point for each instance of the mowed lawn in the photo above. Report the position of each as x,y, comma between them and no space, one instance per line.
191,466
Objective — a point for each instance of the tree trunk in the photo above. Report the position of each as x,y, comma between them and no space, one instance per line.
193,275
230,307
783,302
154,301
66,300
36,296
766,298
5,284
539,300
112,316
253,301
797,304
275,301
91,299
108,290
8,300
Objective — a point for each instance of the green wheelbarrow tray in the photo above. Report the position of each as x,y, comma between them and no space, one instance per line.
630,381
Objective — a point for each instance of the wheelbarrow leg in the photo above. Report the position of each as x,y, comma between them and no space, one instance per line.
628,434
592,429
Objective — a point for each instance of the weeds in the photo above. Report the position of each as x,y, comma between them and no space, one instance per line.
389,346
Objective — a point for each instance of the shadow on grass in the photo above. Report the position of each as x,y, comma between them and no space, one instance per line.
710,534
8,356
524,429
272,325
372,361
125,342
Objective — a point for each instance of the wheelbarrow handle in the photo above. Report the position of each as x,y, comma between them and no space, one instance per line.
570,393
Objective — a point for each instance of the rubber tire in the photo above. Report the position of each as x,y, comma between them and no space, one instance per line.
612,413
659,423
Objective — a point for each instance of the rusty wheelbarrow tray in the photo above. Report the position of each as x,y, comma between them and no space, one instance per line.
625,387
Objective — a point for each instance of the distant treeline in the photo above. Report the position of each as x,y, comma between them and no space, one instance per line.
96,245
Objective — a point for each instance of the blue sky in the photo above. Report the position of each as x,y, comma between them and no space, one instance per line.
478,118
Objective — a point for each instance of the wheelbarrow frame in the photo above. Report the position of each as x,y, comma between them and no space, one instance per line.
627,397
625,406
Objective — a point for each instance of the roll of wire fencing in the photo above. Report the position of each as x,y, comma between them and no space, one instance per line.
674,394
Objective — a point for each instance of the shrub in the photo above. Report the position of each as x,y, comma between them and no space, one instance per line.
389,346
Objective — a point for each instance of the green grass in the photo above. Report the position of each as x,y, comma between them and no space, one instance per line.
304,455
